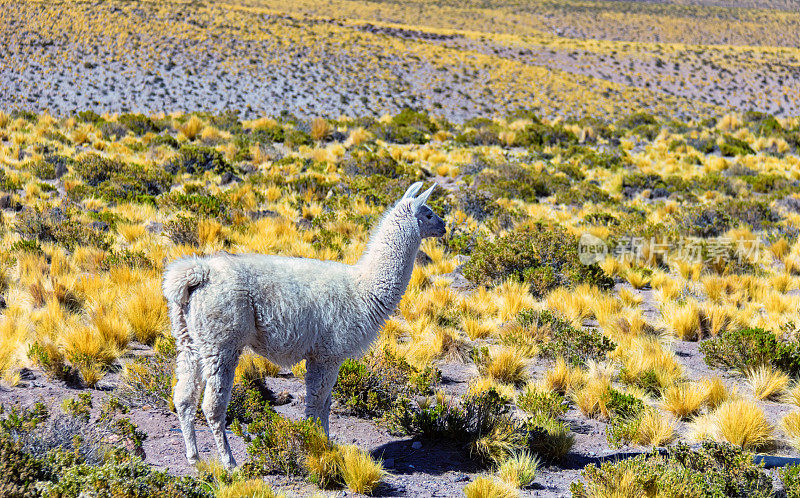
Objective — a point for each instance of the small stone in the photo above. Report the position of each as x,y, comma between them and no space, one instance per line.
282,398
100,226
303,224
154,227
26,374
416,445
226,178
423,258
5,201
461,478
3,304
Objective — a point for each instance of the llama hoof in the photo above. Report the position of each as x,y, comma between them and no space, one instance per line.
193,459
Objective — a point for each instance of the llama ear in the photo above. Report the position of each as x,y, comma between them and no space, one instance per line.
412,190
423,197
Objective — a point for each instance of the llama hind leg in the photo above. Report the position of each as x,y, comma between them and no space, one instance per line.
185,396
219,382
320,378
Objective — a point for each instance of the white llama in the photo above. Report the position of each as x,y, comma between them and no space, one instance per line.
286,309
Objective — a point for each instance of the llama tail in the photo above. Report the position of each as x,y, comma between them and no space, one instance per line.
183,276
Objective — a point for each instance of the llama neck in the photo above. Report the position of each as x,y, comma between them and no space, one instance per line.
385,268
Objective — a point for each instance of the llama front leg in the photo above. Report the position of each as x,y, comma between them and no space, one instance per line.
185,396
320,378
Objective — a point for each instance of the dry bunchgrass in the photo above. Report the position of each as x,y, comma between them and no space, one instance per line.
254,367
684,400
483,487
716,392
645,354
477,328
519,470
790,424
655,429
684,320
767,383
146,312
742,422
592,398
479,385
562,378
505,365
250,488
360,473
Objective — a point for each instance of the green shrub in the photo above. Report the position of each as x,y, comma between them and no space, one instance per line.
196,160
516,181
406,127
19,472
538,135
790,477
140,124
483,425
713,471
523,252
276,444
371,386
124,476
183,230
731,146
200,203
147,380
560,339
116,181
748,348
540,402
56,225
363,161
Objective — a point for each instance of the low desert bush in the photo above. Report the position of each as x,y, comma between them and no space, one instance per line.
562,340
750,348
544,256
713,470
370,386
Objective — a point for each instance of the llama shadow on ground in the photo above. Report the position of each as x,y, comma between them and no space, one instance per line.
433,458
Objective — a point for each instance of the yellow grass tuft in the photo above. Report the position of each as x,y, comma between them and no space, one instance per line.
655,429
483,487
146,312
253,367
477,328
790,424
767,383
715,392
192,128
505,365
742,422
562,379
684,400
683,320
360,473
592,398
251,488
519,470
320,129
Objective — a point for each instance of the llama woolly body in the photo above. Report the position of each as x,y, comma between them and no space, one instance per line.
286,309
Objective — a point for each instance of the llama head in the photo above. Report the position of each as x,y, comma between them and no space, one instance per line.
428,222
